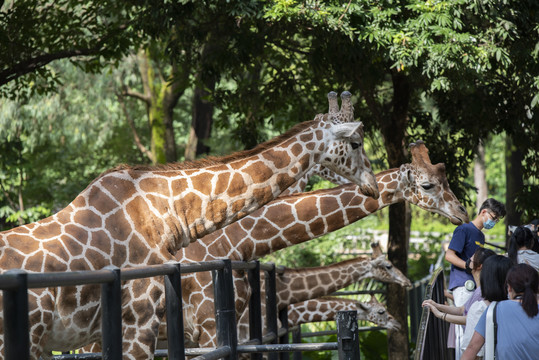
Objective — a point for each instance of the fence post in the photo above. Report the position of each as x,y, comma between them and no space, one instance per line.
283,318
225,311
16,335
173,294
348,335
111,316
255,312
296,339
271,307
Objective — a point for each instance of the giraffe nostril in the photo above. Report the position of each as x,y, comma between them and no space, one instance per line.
462,209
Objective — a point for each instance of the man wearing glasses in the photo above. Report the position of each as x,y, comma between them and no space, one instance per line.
466,239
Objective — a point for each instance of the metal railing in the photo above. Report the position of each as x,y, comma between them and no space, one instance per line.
432,334
15,284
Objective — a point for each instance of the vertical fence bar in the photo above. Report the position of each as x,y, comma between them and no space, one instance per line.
283,318
255,312
111,316
225,311
296,339
173,293
271,307
16,336
348,335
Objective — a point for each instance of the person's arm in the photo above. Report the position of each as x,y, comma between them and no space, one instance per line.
446,316
473,348
452,257
444,308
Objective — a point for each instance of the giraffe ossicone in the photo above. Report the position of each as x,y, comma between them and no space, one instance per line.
135,215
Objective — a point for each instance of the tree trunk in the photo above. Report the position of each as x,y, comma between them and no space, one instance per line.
480,176
202,120
393,128
514,183
201,123
160,94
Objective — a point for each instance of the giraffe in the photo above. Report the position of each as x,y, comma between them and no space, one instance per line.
297,218
131,216
326,309
295,285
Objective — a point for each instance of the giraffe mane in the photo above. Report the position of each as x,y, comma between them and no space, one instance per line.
216,160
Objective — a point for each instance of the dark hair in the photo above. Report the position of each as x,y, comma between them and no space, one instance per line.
493,276
480,255
492,204
524,280
522,236
535,223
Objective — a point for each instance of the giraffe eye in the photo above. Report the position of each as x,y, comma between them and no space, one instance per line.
389,266
354,145
381,311
427,186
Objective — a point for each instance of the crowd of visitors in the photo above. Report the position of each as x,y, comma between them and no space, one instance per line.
489,291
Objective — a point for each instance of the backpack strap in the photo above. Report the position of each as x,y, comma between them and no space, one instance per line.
490,334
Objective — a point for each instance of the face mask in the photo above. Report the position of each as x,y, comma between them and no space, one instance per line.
489,224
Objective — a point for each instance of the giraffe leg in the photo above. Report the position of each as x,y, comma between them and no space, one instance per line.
144,309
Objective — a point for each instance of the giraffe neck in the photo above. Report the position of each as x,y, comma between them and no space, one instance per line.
296,285
318,170
177,206
322,309
326,309
294,219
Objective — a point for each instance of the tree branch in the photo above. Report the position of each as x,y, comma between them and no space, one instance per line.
135,94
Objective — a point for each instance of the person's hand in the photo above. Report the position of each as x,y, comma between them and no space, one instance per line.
432,307
429,302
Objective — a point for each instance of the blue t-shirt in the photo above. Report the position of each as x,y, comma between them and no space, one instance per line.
518,334
466,239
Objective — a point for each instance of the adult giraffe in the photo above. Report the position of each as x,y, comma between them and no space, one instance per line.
327,307
297,218
132,216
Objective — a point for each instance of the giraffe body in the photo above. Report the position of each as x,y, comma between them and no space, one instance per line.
133,216
294,219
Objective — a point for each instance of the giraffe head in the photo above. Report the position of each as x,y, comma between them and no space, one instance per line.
376,312
383,270
426,186
347,138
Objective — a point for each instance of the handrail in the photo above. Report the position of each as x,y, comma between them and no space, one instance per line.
432,336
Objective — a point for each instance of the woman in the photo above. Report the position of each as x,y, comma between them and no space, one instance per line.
492,280
518,323
457,315
520,247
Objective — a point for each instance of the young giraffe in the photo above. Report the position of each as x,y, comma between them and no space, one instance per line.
301,284
132,216
301,217
327,307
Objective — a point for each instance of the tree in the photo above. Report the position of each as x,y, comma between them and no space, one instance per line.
34,33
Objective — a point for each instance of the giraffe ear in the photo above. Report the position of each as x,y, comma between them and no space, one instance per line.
346,130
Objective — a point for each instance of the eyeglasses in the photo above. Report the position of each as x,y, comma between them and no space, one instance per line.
494,218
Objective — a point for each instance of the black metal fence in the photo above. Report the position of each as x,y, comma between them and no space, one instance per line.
15,284
432,334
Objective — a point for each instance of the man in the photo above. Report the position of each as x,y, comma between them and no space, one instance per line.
466,239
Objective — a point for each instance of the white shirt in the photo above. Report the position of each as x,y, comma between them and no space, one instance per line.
475,312
529,257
